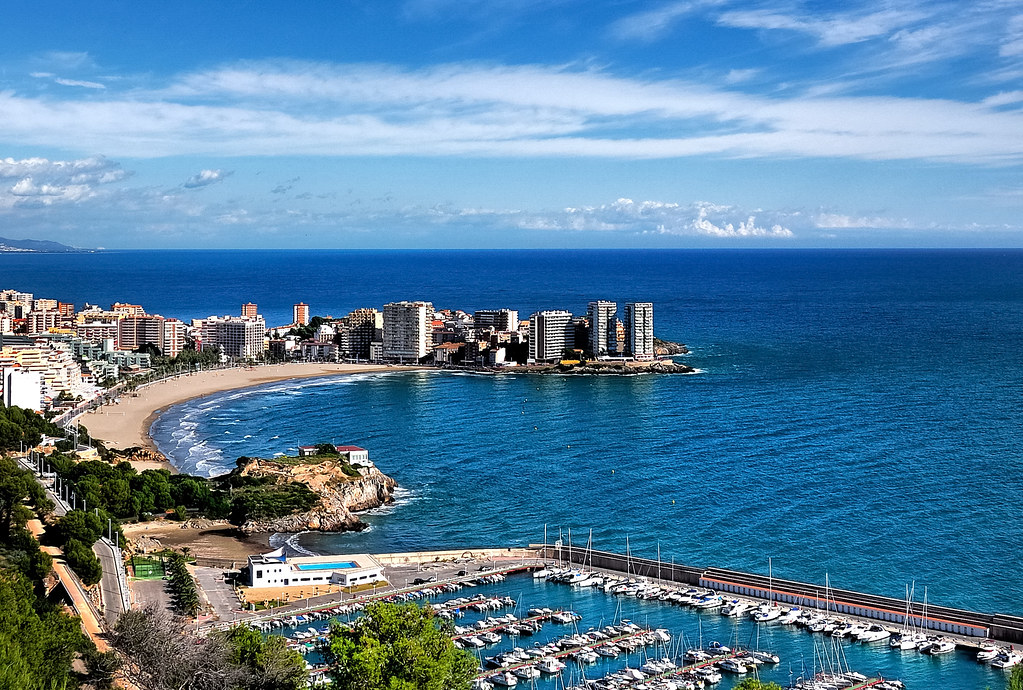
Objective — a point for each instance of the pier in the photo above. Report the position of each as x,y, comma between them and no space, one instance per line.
968,624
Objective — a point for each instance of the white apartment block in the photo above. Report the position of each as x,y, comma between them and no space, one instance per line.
57,369
550,332
639,330
407,327
603,331
22,388
236,336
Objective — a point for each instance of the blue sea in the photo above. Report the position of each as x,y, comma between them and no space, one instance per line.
856,414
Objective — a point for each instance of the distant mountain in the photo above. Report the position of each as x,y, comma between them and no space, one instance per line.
39,246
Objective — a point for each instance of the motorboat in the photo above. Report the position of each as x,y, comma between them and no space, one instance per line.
505,679
708,674
550,665
735,608
988,651
875,632
527,672
765,657
942,646
1008,658
733,666
766,613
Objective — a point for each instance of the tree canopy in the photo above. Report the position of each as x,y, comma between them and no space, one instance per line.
397,647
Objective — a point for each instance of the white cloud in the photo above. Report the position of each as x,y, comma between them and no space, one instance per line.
204,178
839,220
318,109
79,82
44,182
652,25
835,30
1012,43
738,76
654,217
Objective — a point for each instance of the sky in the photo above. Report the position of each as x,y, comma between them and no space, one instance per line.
512,123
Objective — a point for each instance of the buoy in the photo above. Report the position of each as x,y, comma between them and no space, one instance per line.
673,501
534,428
612,471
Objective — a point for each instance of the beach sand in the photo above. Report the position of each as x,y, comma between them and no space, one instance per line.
126,424
219,541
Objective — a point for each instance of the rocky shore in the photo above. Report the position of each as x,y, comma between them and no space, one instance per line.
339,495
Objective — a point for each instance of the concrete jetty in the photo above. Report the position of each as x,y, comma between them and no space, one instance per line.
967,624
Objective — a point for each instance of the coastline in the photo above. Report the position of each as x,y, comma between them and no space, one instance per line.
127,424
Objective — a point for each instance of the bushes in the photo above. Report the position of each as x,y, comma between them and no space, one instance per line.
83,561
184,596
271,501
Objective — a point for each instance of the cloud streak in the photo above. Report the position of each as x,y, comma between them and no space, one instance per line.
318,109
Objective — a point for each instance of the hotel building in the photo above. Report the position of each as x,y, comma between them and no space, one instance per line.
300,312
407,330
236,336
550,332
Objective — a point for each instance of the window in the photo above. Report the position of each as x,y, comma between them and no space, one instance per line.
259,574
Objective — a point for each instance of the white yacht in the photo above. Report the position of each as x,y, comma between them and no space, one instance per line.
733,666
875,632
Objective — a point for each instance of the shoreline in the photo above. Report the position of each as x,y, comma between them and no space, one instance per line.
128,423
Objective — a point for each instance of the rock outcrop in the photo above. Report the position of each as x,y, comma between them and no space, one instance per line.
340,495
621,369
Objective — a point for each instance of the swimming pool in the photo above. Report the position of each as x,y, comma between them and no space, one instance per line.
339,565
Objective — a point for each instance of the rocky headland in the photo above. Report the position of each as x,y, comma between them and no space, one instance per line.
319,493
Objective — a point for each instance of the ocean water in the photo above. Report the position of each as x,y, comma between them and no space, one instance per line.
856,415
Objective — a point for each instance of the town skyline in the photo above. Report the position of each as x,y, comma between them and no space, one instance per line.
513,124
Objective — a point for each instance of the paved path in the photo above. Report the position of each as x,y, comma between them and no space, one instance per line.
114,585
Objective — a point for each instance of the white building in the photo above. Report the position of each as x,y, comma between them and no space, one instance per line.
276,569
325,333
603,335
550,332
407,327
639,330
22,389
236,336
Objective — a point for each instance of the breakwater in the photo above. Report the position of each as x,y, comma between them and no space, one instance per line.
939,618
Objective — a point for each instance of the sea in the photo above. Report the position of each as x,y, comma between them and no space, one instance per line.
855,415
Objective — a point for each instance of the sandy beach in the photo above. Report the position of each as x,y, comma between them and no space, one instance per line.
126,424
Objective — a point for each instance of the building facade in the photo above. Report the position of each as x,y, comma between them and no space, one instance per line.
639,330
250,310
550,332
603,332
407,330
236,336
497,319
300,312
277,569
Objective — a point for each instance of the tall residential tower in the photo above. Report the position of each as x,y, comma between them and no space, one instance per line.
639,330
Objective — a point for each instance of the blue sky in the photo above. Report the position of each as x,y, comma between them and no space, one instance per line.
513,123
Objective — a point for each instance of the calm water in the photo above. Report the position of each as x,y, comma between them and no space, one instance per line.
793,645
857,412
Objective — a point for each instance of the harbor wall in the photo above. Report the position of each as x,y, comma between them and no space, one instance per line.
888,609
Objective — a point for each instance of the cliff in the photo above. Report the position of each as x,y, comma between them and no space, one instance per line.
320,493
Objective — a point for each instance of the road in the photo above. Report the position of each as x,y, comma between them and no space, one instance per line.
113,586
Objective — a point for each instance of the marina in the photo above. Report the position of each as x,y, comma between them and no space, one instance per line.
618,630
